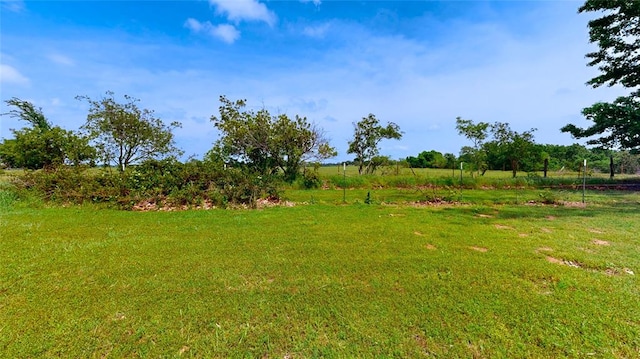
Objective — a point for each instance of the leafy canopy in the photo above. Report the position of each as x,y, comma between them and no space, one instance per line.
267,144
617,34
476,133
124,134
515,148
41,145
367,135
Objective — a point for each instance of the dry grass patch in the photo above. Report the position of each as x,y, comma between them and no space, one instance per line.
500,226
479,249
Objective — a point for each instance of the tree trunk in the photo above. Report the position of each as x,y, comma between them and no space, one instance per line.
611,166
546,167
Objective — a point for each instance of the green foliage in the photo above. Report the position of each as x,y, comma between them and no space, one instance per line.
158,183
549,197
311,178
367,135
515,148
618,121
431,159
26,111
617,34
124,134
266,144
41,145
477,133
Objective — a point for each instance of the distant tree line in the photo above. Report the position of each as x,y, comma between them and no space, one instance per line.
560,158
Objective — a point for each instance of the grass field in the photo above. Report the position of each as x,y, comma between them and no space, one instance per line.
323,279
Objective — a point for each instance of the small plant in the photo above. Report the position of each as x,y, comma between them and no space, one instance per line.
311,179
548,197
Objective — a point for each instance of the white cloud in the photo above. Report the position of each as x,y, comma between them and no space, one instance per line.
225,32
10,75
248,10
194,25
318,31
61,59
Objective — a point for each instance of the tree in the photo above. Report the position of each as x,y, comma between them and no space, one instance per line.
367,135
428,159
516,148
617,34
125,134
41,145
267,144
450,160
477,133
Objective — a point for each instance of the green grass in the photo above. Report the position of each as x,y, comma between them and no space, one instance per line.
322,279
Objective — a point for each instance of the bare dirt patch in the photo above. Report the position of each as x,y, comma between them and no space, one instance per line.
430,247
596,231
479,249
500,226
616,271
574,204
546,230
523,235
600,242
554,260
484,216
417,233
551,218
153,205
564,262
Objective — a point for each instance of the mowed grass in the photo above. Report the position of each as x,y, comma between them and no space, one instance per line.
321,280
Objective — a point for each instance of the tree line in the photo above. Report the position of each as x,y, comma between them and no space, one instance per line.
268,148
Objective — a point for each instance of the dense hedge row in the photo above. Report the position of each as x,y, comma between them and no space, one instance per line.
161,183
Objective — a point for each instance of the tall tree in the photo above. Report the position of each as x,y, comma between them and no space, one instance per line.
41,145
124,134
617,34
366,137
477,133
516,148
268,144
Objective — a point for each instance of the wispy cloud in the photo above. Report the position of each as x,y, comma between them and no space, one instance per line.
225,32
318,31
10,75
244,10
61,59
13,5
315,2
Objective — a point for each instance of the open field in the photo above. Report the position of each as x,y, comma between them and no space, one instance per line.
322,279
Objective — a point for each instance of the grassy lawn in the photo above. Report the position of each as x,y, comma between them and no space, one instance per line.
322,280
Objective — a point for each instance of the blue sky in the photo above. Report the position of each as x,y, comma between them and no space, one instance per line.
419,64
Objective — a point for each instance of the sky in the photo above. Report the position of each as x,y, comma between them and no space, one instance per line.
419,64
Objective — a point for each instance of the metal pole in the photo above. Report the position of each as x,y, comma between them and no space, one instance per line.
344,182
461,163
584,179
